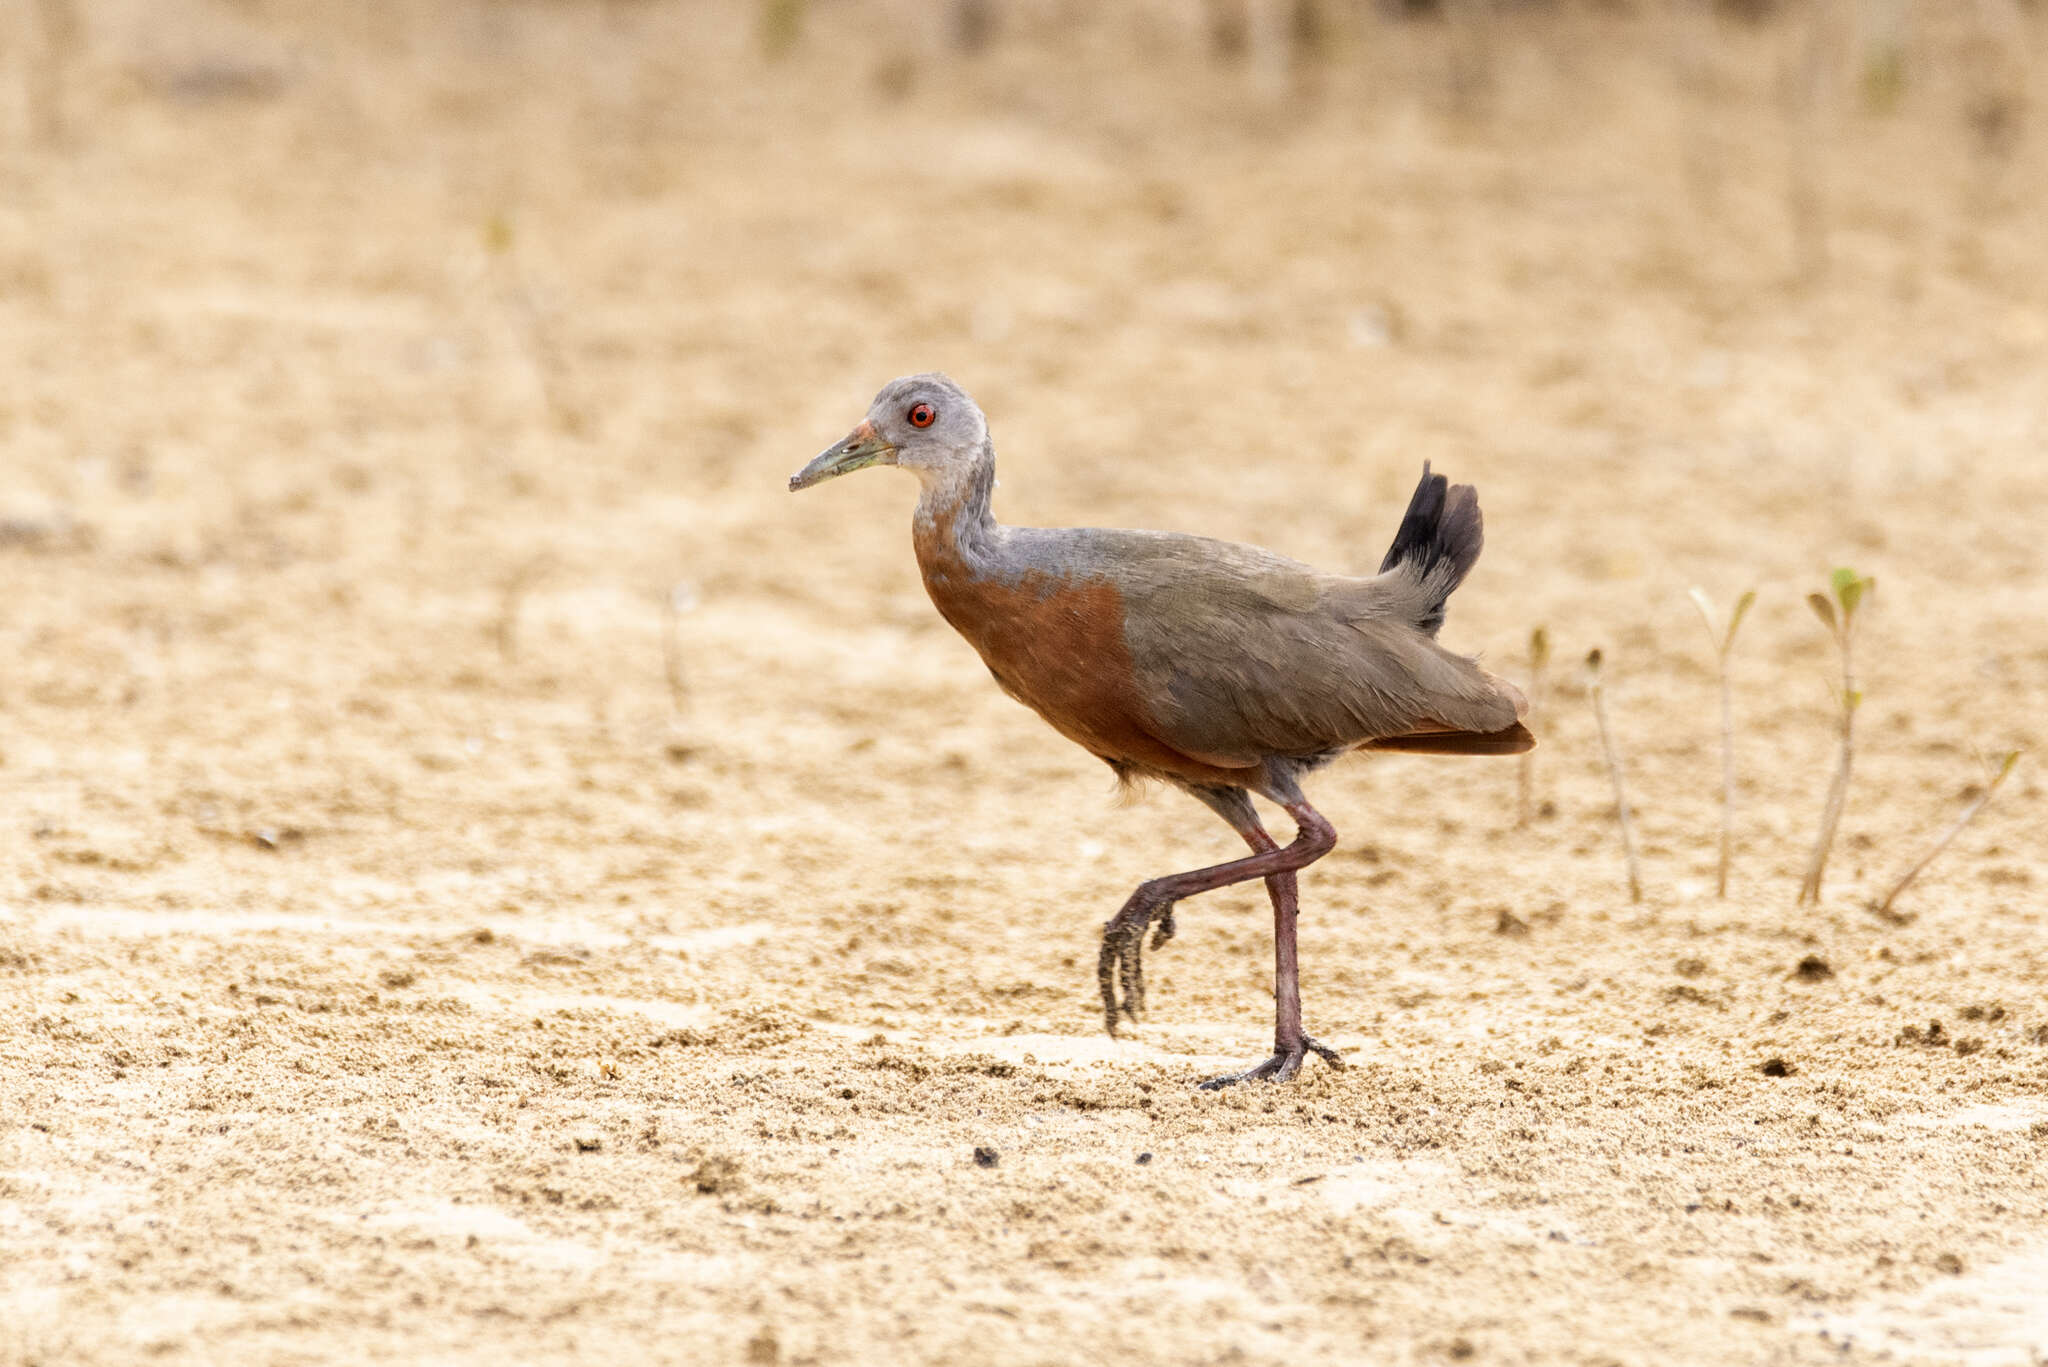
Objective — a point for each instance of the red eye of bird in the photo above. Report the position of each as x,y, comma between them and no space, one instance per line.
922,415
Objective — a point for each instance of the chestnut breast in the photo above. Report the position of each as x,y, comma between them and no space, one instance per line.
1055,642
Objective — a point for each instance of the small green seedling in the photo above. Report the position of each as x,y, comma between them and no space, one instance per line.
1539,659
1850,589
1628,829
1724,640
1992,779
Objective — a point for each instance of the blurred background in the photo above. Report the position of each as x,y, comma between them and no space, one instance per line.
389,386
430,733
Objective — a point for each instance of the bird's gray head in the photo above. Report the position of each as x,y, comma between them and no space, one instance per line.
924,423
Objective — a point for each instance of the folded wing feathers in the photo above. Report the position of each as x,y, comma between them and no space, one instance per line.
1241,654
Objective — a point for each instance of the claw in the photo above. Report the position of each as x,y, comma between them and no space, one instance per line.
1112,944
1132,972
1328,1055
1282,1067
1121,963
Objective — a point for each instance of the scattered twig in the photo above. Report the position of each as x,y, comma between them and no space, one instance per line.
1991,784
1850,589
680,600
1628,829
1723,641
1539,657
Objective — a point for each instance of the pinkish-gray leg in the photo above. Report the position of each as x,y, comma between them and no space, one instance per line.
1120,969
1291,1044
1123,937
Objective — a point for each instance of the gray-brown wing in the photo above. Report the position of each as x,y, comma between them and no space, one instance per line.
1243,655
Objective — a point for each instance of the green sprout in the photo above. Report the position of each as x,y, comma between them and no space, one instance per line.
1724,641
1838,615
1628,830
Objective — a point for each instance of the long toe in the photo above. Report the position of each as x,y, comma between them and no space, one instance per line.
1106,971
1270,1070
1282,1067
1326,1053
1120,969
1132,972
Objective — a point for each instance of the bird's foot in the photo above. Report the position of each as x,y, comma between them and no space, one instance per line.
1120,971
1282,1067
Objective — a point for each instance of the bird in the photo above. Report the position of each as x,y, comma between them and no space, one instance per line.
1224,670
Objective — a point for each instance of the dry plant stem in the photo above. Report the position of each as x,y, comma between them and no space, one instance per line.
516,588
1969,814
1727,782
546,354
1723,639
1525,777
536,334
1628,829
1525,780
1838,788
672,650
1525,787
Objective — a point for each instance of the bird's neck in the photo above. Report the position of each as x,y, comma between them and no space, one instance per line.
953,526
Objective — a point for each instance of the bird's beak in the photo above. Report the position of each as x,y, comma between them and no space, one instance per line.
863,447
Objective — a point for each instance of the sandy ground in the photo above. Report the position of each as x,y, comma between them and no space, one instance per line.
399,961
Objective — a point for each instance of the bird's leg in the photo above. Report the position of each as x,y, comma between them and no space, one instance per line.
1120,970
1291,1044
1123,936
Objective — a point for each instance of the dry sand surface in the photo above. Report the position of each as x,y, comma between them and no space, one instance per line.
397,963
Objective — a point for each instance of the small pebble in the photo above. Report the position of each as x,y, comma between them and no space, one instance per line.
1143,1159
984,1156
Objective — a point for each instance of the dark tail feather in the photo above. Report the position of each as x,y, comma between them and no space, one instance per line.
1438,543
